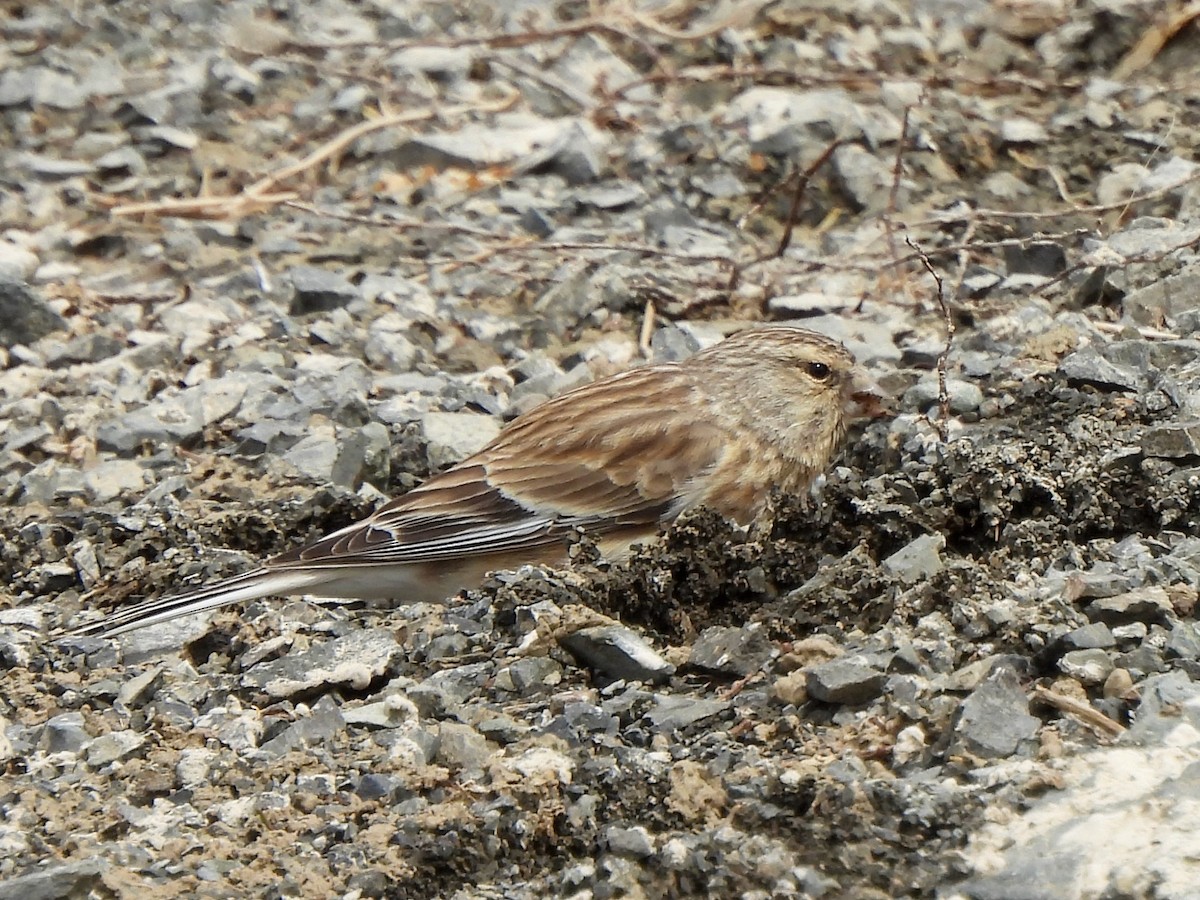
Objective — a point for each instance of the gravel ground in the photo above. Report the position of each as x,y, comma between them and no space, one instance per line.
264,264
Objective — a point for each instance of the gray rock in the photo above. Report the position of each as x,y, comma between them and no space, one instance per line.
573,154
319,290
390,350
1165,299
319,727
355,659
364,455
114,745
1175,440
918,560
618,652
1090,637
1088,366
964,396
121,161
994,721
24,315
845,681
672,343
1023,131
317,453
112,478
175,418
1123,822
1036,258
786,121
17,264
1149,604
52,481
867,178
237,728
972,675
456,435
81,349
1087,666
1183,642
73,879
462,748
635,841
65,733
529,675
732,651
140,688
442,693
672,712
375,786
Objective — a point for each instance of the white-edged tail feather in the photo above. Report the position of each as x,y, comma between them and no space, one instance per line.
264,582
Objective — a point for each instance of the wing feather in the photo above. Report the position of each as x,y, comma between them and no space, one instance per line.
591,459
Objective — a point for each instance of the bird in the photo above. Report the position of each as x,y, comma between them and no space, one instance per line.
616,460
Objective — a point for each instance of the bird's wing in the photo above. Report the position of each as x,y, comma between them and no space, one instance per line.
609,457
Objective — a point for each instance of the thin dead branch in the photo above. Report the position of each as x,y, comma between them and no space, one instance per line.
948,319
258,195
1080,710
802,181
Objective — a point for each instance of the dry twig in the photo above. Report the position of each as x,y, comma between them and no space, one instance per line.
1082,711
258,195
943,394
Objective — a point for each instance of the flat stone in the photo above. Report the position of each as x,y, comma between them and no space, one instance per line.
319,290
1183,642
732,651
1148,604
1174,440
671,712
73,879
355,659
963,396
844,681
1087,666
635,841
456,435
994,721
24,315
114,745
618,652
1097,635
461,747
65,733
322,724
112,478
917,560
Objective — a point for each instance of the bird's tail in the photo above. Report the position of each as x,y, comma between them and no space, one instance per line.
262,582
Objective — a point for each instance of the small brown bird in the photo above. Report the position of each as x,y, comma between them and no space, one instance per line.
617,459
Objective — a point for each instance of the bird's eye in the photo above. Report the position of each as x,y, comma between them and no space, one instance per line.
818,371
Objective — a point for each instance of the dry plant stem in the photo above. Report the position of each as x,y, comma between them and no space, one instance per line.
616,23
854,79
894,192
956,249
986,214
1123,262
256,197
647,331
1153,41
1082,711
1150,334
943,394
964,257
394,224
802,182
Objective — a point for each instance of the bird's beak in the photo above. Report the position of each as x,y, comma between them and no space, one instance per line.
864,399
